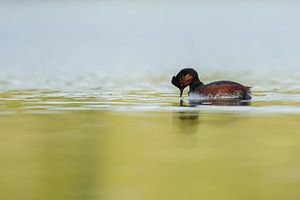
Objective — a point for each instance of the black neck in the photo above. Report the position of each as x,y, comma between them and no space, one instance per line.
195,84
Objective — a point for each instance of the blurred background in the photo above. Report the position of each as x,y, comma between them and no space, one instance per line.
118,39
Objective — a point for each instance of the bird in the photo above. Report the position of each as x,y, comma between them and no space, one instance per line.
218,90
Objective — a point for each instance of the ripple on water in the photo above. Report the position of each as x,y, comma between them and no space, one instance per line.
53,102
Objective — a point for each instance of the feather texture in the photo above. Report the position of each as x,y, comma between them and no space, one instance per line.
221,90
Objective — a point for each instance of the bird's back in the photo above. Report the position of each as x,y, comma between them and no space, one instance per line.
222,90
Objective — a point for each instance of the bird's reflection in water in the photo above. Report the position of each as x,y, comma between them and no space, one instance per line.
193,103
189,120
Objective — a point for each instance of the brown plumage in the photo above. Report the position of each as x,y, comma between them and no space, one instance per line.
213,91
222,90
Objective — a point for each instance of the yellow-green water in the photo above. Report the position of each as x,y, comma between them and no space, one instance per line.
137,144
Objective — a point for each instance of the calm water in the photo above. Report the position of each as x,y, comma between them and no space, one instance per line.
140,144
87,110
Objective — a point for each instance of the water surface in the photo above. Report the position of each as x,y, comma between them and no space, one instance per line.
140,144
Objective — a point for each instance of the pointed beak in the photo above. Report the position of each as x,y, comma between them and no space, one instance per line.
181,91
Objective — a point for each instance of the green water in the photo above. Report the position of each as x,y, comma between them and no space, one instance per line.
143,145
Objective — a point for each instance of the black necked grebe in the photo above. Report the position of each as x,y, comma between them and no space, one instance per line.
219,90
